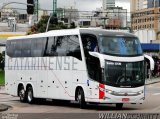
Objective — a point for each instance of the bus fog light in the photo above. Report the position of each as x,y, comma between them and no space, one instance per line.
140,92
106,98
142,98
110,92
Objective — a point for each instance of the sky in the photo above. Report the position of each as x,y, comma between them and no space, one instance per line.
82,5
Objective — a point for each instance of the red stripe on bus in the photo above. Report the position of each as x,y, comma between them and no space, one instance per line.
101,93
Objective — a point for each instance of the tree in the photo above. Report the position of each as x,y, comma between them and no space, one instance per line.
73,25
40,27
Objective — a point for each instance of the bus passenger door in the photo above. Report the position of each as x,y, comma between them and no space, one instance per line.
93,70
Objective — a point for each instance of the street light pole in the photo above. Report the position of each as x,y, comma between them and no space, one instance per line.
49,22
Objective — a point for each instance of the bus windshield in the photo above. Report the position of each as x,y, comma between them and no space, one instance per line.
120,46
121,74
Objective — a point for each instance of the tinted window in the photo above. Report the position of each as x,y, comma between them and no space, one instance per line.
37,47
61,45
26,47
14,48
121,46
18,48
120,74
93,63
64,46
26,51
74,47
10,48
51,47
90,43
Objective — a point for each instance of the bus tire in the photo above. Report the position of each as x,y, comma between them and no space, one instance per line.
30,98
81,98
119,106
22,94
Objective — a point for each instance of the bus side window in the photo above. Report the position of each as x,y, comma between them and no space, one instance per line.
74,49
61,45
57,46
38,47
26,48
17,48
51,47
10,49
64,46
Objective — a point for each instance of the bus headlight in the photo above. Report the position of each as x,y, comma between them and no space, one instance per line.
109,91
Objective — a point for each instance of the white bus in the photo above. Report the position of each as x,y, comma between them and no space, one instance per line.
85,65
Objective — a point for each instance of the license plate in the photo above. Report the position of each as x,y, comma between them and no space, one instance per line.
125,99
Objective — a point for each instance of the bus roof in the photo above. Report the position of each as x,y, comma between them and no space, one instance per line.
105,32
48,34
94,31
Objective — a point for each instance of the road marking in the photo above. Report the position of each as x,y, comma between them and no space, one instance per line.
9,35
156,94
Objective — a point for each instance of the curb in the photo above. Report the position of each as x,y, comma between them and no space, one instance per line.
1,87
4,107
4,94
152,83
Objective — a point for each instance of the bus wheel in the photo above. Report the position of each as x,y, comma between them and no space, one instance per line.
22,95
81,98
30,97
119,106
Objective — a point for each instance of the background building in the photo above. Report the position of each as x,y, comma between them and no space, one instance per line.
42,13
151,3
68,15
111,18
133,5
108,3
117,17
157,3
146,17
145,4
138,5
8,12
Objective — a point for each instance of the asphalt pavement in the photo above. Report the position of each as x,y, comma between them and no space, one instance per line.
20,27
13,104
